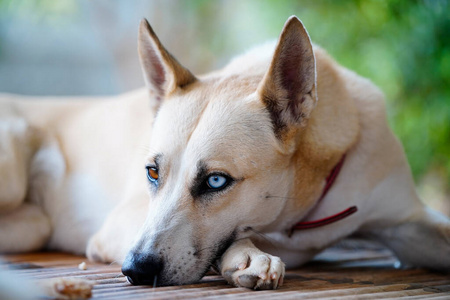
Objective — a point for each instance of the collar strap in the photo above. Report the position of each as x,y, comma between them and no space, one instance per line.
327,220
331,219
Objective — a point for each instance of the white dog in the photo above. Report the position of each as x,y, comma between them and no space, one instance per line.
282,143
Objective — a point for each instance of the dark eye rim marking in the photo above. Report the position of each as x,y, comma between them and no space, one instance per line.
208,188
200,187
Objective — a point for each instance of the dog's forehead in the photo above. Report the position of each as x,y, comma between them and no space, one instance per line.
230,128
212,123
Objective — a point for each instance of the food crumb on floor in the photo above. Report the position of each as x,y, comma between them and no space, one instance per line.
82,266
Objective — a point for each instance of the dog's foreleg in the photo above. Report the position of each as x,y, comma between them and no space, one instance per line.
394,214
24,229
23,225
15,155
421,241
118,232
245,265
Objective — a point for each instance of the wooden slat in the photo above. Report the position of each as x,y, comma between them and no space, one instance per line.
336,274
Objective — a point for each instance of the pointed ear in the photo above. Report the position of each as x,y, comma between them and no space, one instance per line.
163,74
288,89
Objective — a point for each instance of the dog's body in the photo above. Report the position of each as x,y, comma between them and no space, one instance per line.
238,152
58,146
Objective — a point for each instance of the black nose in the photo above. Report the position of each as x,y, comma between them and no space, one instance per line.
142,269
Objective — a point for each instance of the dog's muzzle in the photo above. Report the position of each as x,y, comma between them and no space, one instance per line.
142,269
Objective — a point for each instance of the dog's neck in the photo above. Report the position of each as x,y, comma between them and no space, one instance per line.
330,219
332,130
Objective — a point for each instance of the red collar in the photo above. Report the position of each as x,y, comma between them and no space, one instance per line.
331,219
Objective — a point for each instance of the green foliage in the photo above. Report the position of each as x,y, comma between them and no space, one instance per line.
404,47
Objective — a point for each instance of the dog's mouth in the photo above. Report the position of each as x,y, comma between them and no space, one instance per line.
222,246
210,263
187,268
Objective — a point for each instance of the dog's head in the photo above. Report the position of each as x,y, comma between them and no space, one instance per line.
220,149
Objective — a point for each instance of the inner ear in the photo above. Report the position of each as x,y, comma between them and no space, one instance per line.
288,89
153,69
296,70
163,74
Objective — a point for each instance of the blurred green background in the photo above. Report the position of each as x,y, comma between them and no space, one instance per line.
75,47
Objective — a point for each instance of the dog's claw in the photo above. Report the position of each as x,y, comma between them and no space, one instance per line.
263,276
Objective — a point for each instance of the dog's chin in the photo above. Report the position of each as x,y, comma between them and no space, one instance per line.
170,282
180,275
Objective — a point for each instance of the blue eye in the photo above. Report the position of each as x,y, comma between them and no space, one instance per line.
217,181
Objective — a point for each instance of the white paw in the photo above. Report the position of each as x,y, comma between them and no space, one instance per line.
94,251
252,268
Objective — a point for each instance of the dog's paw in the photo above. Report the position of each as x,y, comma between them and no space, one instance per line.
94,251
249,267
103,248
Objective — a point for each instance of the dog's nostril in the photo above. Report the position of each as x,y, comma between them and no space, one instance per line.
141,269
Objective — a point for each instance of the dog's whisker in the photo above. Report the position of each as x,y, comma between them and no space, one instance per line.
155,281
144,149
113,262
281,197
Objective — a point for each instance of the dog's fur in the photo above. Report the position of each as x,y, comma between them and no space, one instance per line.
274,123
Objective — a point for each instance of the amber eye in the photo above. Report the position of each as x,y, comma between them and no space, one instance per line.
152,174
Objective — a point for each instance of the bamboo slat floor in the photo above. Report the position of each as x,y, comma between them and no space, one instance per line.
338,273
